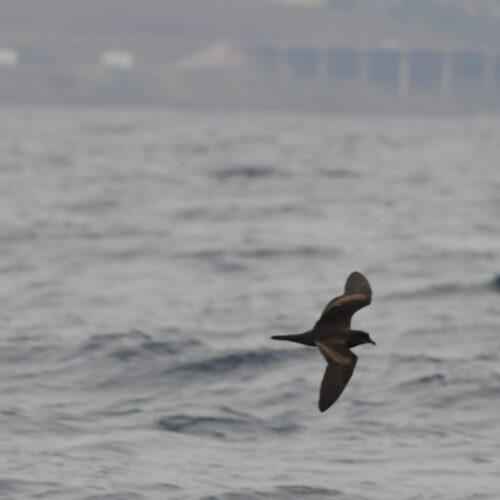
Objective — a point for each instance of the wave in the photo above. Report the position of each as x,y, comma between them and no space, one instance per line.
117,496
229,425
434,379
282,492
126,345
429,292
20,485
447,289
232,361
417,358
136,358
204,426
495,283
262,253
245,171
339,173
299,251
307,491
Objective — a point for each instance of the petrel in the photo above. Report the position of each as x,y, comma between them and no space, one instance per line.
334,338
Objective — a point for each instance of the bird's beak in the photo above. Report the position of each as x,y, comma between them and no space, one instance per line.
372,342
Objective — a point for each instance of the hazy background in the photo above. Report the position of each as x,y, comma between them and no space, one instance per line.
180,180
407,55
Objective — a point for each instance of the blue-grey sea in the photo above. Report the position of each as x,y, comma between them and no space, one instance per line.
147,256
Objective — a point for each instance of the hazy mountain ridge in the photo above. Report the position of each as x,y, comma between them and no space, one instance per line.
249,21
472,20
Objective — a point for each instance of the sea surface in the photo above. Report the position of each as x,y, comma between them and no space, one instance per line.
146,257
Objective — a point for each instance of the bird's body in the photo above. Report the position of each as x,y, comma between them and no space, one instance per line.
334,338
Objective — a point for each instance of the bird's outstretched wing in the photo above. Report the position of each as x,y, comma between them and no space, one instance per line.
339,311
341,362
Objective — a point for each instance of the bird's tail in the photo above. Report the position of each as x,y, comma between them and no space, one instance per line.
302,338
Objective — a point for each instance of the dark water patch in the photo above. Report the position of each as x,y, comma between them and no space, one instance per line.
285,492
418,358
118,496
339,173
12,412
434,379
232,426
208,254
16,269
18,235
128,254
26,352
156,348
297,209
307,491
223,212
280,424
120,413
106,339
245,172
495,283
118,233
460,387
431,292
231,267
419,178
217,427
461,396
192,213
490,356
465,254
126,354
223,254
130,344
9,486
444,290
115,364
165,486
296,252
449,289
231,362
119,360
60,160
481,460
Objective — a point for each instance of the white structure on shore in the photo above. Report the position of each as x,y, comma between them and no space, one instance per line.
9,58
122,60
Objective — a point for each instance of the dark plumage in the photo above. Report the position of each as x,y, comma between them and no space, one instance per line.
334,338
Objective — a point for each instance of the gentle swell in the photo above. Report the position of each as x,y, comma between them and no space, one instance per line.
245,171
233,361
236,426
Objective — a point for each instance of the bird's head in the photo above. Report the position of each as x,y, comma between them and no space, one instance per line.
357,337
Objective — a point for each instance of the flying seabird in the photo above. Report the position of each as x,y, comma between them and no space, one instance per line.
333,336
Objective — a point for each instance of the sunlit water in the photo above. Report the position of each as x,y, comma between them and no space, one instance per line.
147,257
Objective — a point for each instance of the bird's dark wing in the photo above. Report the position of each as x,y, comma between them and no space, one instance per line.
341,362
339,311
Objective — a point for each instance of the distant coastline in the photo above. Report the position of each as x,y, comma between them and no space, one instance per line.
355,56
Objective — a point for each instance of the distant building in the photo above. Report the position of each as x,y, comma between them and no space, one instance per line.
442,72
216,55
9,58
122,60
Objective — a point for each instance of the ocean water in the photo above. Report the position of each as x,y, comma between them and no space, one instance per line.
146,257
